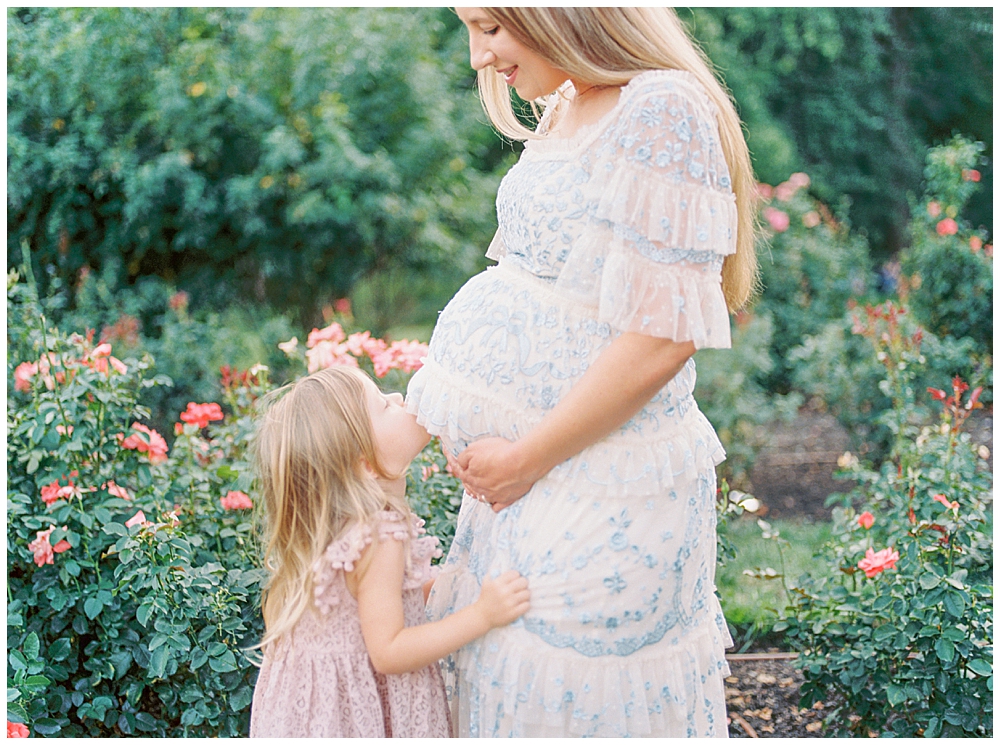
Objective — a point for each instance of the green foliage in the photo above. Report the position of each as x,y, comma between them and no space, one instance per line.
855,96
434,494
810,269
909,648
951,289
121,629
729,394
276,154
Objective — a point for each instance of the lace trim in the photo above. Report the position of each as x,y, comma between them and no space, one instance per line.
343,554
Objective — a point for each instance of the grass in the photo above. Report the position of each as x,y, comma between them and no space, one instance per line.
752,604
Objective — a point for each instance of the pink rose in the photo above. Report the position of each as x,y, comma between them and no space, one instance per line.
332,333
799,180
766,191
328,354
152,443
811,219
975,243
944,500
933,209
137,519
866,520
44,550
777,219
947,227
236,500
878,561
50,493
970,175
117,491
785,191
343,306
23,374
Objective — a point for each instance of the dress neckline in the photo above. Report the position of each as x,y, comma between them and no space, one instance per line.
587,133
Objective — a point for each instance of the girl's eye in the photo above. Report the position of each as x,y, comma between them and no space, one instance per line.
491,31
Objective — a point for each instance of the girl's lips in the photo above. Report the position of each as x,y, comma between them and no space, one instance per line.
509,74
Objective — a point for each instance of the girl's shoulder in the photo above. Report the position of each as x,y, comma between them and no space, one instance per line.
344,553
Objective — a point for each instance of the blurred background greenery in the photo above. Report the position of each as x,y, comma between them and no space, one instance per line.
288,157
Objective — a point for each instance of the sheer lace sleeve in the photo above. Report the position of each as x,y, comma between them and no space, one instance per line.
665,218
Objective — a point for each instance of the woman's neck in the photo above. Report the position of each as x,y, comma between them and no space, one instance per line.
590,102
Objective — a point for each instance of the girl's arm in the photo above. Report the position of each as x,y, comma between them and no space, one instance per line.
396,649
621,381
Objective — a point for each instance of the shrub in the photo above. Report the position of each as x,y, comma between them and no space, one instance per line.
906,649
950,266
131,588
812,266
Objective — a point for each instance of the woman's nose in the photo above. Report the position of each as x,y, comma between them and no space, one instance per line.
479,55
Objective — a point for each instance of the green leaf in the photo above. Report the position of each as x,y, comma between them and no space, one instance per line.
113,528
145,722
17,660
46,726
929,581
981,667
142,615
31,646
92,607
38,681
158,661
933,728
241,698
954,604
895,694
13,695
33,461
224,664
945,650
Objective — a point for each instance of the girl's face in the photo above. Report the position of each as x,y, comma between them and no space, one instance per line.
398,437
491,45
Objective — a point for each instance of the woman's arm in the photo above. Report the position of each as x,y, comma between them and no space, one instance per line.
395,649
621,381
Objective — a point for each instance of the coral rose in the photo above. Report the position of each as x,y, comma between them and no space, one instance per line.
139,518
23,374
876,562
201,414
947,227
43,549
152,444
16,729
866,520
236,500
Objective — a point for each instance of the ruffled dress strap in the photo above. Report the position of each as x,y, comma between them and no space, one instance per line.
423,548
343,554
665,219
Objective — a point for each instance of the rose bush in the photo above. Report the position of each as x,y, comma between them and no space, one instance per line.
900,629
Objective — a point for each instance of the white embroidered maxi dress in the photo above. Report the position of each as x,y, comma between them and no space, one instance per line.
622,227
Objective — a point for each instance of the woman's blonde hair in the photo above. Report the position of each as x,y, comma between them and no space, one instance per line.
609,46
310,450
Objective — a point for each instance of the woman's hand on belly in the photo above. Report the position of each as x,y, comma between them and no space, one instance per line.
619,383
489,469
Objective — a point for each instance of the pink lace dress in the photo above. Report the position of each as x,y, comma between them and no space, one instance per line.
318,681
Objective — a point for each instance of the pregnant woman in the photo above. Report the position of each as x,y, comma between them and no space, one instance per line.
560,381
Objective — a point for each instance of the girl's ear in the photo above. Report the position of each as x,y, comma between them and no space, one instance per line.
366,468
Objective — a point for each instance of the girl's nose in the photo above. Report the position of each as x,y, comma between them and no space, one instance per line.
396,397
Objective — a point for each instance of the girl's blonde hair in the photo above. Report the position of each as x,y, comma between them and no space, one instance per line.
310,450
609,46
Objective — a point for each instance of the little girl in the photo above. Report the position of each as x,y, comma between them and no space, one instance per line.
346,652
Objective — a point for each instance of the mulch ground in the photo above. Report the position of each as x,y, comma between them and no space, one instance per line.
762,699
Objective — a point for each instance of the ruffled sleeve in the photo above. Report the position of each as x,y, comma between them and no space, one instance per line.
340,556
664,220
423,548
343,554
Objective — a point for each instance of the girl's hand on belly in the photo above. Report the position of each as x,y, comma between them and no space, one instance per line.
488,468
